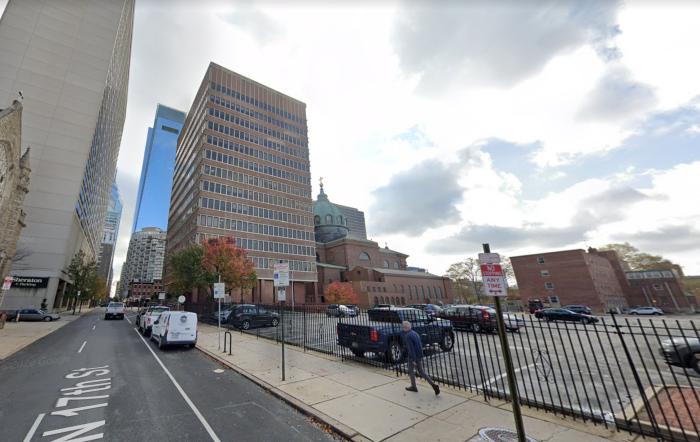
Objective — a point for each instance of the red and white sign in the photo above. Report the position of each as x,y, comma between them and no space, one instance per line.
8,282
493,280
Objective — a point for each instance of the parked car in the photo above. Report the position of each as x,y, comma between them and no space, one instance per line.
31,314
578,309
513,322
175,328
148,317
468,317
248,316
430,309
383,335
115,310
560,314
340,310
383,307
646,311
682,352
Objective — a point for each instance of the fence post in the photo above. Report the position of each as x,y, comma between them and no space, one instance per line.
638,381
304,328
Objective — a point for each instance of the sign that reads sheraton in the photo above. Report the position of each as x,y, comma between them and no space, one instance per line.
29,282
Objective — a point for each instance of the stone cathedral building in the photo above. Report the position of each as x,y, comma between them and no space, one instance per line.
14,184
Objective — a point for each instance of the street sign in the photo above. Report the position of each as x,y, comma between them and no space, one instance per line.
219,290
181,299
161,296
493,280
281,294
8,283
489,258
282,274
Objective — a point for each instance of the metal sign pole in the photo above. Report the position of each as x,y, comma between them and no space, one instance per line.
219,317
282,325
510,370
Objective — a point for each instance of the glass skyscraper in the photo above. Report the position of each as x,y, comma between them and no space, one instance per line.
153,201
109,235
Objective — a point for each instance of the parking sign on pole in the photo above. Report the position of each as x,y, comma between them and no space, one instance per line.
8,282
494,281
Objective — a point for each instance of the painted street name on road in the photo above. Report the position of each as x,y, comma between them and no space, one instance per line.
76,394
493,280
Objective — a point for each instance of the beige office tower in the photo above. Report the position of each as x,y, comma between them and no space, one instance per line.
70,60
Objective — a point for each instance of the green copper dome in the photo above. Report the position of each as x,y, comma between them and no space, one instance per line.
326,213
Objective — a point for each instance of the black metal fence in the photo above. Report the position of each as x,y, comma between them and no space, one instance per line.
628,373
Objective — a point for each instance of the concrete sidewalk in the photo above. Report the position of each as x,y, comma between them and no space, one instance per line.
17,335
367,404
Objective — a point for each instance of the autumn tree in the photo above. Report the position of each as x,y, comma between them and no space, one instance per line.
223,257
98,290
466,279
186,272
639,260
339,293
82,273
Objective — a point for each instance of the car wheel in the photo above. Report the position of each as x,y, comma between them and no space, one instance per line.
245,325
160,342
447,342
358,353
144,331
275,322
695,362
193,345
633,313
547,318
585,321
47,319
394,353
476,328
657,314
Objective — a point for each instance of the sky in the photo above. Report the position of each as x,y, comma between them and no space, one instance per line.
534,126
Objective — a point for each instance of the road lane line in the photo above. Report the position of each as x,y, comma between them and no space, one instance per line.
495,378
93,327
32,430
81,347
204,422
127,319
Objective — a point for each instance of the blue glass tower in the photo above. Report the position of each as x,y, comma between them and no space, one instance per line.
153,202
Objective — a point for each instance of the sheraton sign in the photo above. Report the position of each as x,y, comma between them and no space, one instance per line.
29,282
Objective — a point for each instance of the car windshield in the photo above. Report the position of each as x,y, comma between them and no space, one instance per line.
159,309
116,304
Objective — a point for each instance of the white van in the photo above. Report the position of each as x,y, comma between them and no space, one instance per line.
175,328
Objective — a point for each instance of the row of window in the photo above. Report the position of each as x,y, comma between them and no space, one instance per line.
264,130
252,165
244,209
249,194
254,181
219,222
436,293
264,106
257,153
264,263
390,300
654,274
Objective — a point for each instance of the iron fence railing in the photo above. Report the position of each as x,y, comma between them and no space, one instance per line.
629,373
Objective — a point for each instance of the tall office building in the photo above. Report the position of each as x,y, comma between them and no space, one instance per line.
144,259
242,170
71,60
105,262
156,182
355,221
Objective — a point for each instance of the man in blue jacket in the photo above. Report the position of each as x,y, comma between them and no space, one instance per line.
415,356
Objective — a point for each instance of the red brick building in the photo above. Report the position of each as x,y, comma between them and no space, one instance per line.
145,290
661,288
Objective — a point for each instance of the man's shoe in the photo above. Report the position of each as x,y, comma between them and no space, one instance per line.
413,389
437,389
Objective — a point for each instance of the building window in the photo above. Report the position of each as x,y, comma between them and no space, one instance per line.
410,295
540,260
339,220
658,287
329,219
364,256
544,272
401,287
394,288
422,290
548,285
381,300
393,301
667,274
554,300
440,292
317,220
386,264
376,301
396,265
384,288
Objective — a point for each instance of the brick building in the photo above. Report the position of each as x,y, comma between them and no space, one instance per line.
146,290
378,275
599,280
572,277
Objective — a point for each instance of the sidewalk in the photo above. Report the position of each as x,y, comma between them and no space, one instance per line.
368,404
17,335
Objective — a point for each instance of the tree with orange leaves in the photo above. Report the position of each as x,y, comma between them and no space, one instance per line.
339,293
223,257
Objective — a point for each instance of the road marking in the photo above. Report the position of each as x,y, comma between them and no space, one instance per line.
93,327
32,430
204,422
127,319
495,378
81,347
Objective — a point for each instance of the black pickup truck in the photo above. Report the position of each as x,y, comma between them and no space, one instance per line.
383,333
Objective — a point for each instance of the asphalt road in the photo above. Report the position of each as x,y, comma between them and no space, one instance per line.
99,377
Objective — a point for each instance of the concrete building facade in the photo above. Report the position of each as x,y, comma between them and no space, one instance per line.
71,60
155,185
144,259
242,170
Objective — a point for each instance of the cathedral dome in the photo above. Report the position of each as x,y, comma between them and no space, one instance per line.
326,213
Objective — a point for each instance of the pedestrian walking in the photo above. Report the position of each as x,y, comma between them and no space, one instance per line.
415,357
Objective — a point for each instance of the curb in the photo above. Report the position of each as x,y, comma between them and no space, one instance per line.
338,427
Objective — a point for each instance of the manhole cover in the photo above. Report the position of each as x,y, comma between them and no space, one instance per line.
501,435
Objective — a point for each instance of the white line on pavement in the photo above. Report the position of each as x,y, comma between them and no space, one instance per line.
32,430
93,327
127,319
495,378
81,347
204,422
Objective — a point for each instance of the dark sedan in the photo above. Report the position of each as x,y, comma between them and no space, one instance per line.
248,316
682,352
560,314
578,309
431,309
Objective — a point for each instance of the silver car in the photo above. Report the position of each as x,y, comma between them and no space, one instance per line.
646,311
32,314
